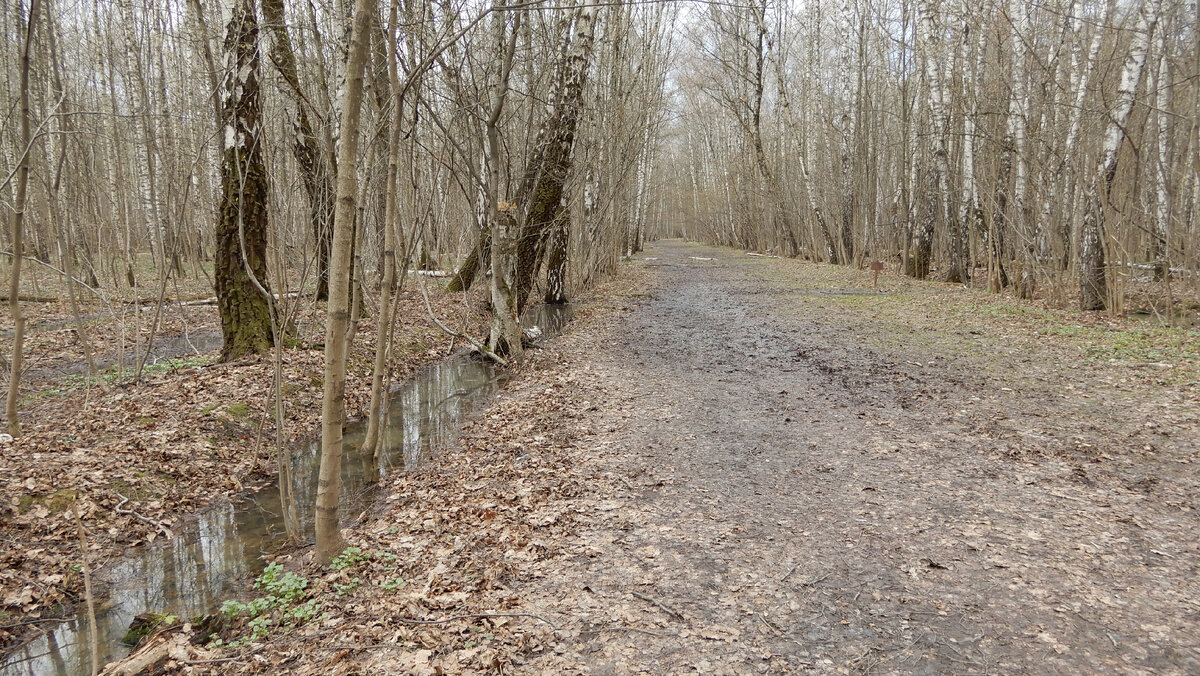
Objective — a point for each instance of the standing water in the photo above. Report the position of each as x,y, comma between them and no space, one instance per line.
214,555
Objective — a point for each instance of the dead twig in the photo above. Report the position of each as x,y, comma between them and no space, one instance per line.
407,620
639,630
483,349
664,607
770,625
129,512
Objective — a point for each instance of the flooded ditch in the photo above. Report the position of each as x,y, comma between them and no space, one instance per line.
217,552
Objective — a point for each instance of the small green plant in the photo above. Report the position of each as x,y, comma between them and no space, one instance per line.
303,613
392,584
341,589
177,364
289,587
349,557
260,628
286,604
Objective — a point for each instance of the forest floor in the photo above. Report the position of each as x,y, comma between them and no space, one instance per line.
737,464
138,457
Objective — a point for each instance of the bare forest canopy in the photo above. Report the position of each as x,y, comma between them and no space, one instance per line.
1044,145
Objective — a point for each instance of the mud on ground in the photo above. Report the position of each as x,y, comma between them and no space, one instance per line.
750,465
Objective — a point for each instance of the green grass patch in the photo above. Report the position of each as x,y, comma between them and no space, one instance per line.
56,503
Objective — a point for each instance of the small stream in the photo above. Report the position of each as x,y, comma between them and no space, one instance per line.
214,555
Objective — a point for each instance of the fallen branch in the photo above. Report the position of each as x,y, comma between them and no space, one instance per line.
32,299
129,512
406,620
1151,266
667,609
483,349
140,661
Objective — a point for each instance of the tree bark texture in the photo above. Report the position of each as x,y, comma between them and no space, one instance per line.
333,408
1093,282
18,230
306,145
241,258
541,190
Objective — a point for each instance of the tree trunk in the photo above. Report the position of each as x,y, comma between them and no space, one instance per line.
1093,283
465,277
546,173
329,540
241,262
1159,239
17,232
1080,75
556,264
378,408
306,145
505,337
939,185
1018,122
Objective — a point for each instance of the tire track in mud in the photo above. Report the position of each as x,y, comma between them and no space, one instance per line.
797,503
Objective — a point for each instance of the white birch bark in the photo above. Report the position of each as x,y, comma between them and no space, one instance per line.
1093,291
1159,240
930,39
1018,121
971,213
1081,73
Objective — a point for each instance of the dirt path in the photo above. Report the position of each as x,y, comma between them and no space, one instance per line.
809,477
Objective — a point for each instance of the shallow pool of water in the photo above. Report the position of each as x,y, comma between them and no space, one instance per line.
216,553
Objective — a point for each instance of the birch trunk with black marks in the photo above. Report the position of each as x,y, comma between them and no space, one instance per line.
1159,238
540,197
240,268
1093,281
1018,124
970,209
1081,73
934,56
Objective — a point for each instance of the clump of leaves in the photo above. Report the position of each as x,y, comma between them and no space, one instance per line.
286,605
350,556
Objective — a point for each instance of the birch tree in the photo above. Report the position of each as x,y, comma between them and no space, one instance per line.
1093,281
241,262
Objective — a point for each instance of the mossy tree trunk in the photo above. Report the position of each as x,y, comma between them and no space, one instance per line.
465,277
241,258
541,192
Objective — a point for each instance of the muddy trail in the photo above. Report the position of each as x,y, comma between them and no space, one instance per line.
809,476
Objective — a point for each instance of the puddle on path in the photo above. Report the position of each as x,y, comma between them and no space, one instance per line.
216,553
